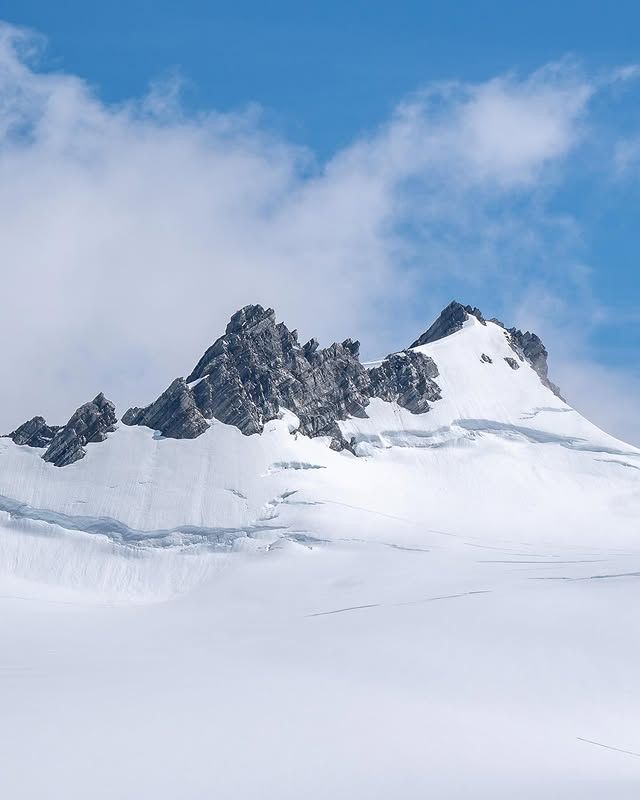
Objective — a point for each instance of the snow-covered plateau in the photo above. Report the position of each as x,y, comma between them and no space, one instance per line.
445,607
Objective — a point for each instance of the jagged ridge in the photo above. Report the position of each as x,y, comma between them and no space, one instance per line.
258,367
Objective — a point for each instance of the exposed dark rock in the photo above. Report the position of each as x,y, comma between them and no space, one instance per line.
529,346
34,433
259,367
451,319
175,413
406,378
89,423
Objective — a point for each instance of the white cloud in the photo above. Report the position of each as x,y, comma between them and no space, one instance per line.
607,395
130,233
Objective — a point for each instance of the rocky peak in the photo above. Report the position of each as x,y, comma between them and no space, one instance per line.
251,318
451,320
258,367
34,433
251,323
527,346
89,423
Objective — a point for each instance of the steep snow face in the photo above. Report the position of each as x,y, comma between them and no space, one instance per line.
485,389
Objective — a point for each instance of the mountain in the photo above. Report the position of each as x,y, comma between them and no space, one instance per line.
297,574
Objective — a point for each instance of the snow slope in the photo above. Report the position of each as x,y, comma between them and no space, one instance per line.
449,614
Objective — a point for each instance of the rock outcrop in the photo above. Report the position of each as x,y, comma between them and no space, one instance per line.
406,378
258,367
529,347
89,423
175,413
34,433
451,320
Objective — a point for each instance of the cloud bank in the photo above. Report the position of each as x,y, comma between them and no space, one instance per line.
129,233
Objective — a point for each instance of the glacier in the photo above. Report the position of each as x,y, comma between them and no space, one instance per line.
448,611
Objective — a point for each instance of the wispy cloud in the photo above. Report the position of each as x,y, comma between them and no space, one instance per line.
129,233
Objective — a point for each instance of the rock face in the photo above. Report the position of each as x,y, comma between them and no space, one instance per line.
451,319
408,379
174,413
529,346
258,367
89,423
34,433
512,362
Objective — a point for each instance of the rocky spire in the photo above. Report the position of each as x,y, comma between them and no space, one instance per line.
451,319
258,367
89,423
175,413
34,433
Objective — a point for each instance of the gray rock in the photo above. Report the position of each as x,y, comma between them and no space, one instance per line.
451,320
408,379
175,413
487,359
89,423
34,433
529,346
258,367
512,362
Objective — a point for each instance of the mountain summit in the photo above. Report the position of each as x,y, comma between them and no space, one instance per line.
258,368
467,412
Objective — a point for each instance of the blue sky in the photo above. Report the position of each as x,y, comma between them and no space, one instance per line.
324,70
549,239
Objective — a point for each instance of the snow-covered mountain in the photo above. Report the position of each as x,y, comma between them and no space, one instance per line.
295,574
